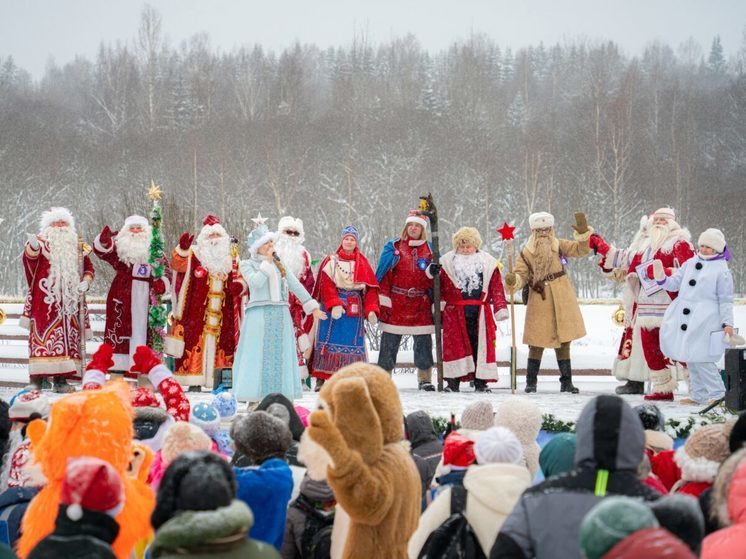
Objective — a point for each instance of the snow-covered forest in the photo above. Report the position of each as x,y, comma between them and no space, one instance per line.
356,133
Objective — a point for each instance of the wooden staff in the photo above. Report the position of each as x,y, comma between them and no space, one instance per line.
428,209
506,231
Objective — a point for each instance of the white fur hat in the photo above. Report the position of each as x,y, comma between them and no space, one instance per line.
136,220
667,213
290,222
540,220
704,451
56,214
498,445
712,238
415,217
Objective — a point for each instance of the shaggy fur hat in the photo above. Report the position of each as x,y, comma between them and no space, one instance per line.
498,445
467,236
478,416
260,436
183,437
56,214
194,481
523,417
540,220
703,452
610,521
681,515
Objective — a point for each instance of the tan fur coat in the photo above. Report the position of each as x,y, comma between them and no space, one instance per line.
556,318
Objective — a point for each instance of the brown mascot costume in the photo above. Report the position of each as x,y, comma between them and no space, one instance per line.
360,428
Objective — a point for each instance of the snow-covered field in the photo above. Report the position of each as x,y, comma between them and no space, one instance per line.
595,351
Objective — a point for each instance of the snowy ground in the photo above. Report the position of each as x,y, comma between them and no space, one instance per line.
593,352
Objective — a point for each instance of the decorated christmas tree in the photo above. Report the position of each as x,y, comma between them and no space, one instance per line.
157,260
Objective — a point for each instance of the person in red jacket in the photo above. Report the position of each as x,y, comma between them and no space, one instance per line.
346,287
405,298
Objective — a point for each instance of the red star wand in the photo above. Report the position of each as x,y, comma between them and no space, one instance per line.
506,232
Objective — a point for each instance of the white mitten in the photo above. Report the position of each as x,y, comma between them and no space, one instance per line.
658,273
337,312
33,241
734,340
83,286
372,319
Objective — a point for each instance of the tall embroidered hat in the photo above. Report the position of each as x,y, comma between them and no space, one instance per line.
260,235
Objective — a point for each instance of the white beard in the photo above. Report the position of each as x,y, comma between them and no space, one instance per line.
467,268
64,275
133,248
215,255
292,253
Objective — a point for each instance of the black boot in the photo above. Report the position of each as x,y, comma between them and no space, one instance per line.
481,385
532,371
426,386
453,385
632,387
566,377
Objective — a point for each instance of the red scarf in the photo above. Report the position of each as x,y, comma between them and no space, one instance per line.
363,271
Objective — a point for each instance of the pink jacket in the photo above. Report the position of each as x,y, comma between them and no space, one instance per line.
730,543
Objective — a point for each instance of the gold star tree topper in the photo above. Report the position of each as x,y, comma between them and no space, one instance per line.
154,192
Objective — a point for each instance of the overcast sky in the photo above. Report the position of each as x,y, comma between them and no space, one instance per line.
33,30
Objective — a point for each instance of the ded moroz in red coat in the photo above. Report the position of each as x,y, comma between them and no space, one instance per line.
458,361
127,305
203,333
54,335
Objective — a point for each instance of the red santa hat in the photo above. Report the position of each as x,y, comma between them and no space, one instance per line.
28,402
665,213
134,220
211,220
91,484
56,214
458,452
414,216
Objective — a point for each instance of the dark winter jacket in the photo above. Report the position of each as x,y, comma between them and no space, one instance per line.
266,489
424,441
210,534
13,505
90,537
296,425
6,552
315,494
545,522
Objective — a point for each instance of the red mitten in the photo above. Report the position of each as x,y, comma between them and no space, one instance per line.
185,241
159,287
598,245
145,359
649,272
102,360
106,236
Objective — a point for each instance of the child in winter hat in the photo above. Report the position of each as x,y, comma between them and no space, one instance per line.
226,404
610,521
24,407
197,513
558,455
206,417
478,416
267,485
92,496
681,515
701,456
498,445
181,437
523,417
